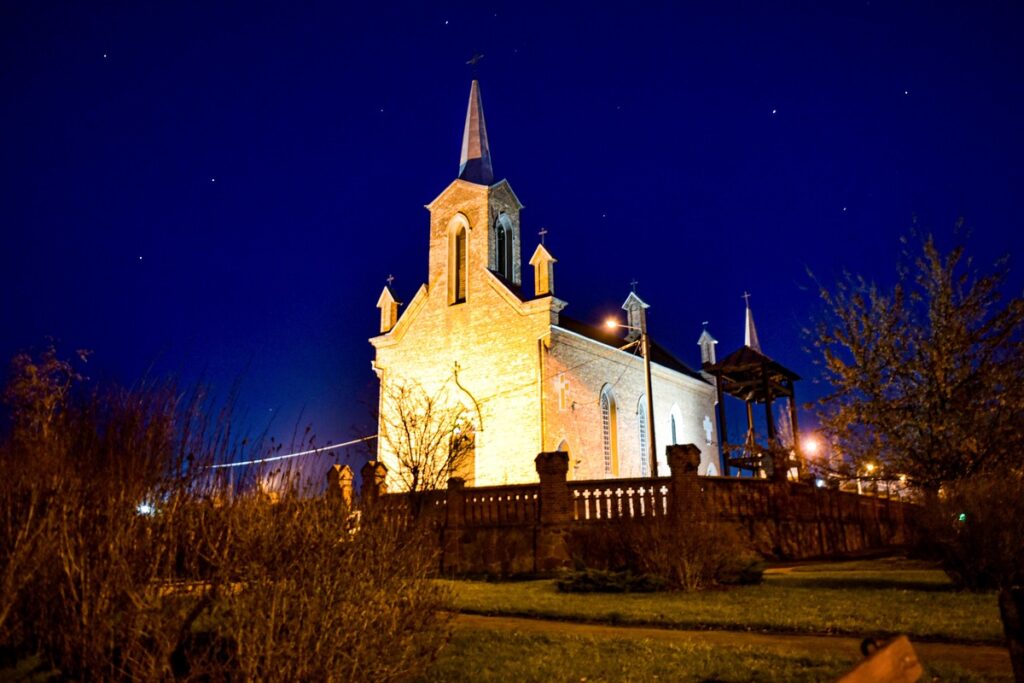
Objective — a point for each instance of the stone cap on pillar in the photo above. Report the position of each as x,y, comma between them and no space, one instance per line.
338,474
374,470
552,463
683,458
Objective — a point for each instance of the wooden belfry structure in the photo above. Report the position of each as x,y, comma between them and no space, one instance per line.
754,378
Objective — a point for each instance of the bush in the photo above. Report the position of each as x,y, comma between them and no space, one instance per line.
212,583
601,581
697,554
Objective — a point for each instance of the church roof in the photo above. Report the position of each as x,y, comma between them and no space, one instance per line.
475,163
746,373
659,354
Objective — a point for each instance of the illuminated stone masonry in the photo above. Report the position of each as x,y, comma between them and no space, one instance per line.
530,379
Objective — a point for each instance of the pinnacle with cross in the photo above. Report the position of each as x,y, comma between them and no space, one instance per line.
542,233
746,297
390,279
633,284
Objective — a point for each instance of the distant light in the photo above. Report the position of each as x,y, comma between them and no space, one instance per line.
962,517
145,509
611,323
870,467
213,180
820,483
811,445
775,111
903,479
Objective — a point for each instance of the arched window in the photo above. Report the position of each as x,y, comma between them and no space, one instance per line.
459,293
641,426
504,247
563,447
609,432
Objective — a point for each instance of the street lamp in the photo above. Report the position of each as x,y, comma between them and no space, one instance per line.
645,346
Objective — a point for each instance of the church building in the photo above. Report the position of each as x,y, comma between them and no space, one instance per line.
531,378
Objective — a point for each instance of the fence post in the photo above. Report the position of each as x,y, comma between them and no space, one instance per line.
454,520
684,491
339,484
551,544
374,481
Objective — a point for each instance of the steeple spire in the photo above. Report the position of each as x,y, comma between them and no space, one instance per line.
750,332
475,164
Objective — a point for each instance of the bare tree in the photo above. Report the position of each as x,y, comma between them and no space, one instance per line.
928,383
430,435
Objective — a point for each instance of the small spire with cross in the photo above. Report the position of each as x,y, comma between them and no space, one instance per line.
746,297
543,232
390,278
633,283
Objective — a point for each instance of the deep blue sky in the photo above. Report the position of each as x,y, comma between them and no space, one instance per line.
703,150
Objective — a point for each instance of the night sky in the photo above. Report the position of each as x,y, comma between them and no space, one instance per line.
218,191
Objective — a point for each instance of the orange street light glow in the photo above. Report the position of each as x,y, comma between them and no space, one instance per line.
811,445
611,323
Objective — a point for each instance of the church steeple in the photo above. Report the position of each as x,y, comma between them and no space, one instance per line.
750,332
475,164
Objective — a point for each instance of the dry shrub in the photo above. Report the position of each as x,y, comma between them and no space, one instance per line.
977,528
212,585
692,556
699,553
317,601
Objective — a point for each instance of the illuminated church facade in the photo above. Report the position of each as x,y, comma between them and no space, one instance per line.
531,378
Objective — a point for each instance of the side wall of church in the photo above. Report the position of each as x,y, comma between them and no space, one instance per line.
576,371
492,336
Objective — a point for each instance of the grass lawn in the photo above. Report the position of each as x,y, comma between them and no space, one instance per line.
483,656
869,597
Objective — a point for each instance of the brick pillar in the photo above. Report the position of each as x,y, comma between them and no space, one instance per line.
454,521
551,545
374,481
684,499
339,484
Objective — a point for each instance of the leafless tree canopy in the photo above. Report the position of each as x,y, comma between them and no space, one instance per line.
431,435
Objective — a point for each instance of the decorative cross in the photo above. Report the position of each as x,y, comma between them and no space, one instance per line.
542,233
705,323
633,284
390,278
473,61
746,297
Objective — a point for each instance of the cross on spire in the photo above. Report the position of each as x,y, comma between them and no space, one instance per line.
390,279
746,298
542,233
633,284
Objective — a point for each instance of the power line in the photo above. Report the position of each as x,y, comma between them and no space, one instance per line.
322,449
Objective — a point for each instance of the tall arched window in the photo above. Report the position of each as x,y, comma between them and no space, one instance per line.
609,432
459,295
504,247
641,425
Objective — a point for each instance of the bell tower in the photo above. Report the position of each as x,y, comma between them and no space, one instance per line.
474,223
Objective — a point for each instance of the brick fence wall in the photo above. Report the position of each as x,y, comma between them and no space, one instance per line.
539,528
